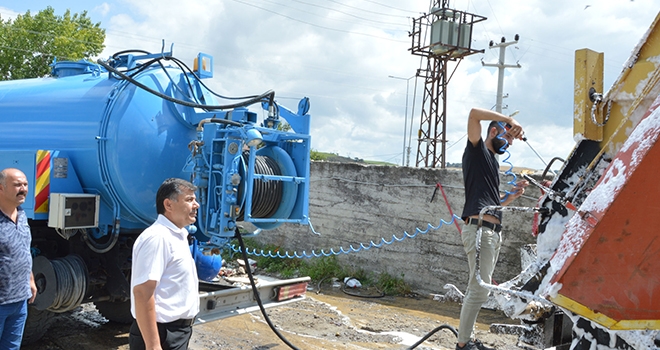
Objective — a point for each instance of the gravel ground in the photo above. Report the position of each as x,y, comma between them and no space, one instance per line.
329,320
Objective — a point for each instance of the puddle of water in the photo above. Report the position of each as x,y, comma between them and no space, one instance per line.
422,306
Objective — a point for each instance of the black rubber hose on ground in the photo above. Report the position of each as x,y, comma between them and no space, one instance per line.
429,334
256,292
279,335
343,289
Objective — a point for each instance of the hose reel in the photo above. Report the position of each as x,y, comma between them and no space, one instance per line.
274,189
61,283
266,195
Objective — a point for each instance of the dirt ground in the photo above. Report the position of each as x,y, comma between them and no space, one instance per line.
328,320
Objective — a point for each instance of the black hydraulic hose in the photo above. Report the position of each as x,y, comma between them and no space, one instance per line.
268,94
279,335
547,168
188,82
429,334
343,289
183,67
97,247
256,292
118,53
181,63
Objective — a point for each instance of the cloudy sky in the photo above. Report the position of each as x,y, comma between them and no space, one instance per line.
343,53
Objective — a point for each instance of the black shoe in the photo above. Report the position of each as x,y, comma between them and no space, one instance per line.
474,345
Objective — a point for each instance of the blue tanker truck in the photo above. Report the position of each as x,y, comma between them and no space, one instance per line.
96,140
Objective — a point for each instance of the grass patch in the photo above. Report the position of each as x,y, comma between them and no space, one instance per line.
392,285
322,269
316,155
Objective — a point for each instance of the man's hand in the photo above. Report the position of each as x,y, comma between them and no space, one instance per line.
33,288
519,188
516,191
516,130
145,312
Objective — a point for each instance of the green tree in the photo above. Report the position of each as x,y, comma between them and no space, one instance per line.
29,44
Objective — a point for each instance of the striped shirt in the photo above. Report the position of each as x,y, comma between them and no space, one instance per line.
15,258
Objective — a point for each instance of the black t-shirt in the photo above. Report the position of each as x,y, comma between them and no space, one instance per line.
481,179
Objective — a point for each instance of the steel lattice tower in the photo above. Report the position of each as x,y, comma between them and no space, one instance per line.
448,33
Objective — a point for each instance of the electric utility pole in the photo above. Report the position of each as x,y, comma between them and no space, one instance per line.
501,66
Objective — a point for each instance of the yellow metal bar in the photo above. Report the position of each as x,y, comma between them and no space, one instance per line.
588,78
633,92
630,97
609,323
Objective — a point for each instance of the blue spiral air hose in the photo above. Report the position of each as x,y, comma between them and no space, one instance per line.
342,250
509,172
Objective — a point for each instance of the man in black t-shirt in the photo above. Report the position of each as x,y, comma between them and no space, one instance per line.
482,182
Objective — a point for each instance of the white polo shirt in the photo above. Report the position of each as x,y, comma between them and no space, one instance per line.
162,254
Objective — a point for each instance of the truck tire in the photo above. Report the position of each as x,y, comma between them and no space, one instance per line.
37,324
115,311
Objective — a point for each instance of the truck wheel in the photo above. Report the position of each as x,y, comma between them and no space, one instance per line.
115,311
38,322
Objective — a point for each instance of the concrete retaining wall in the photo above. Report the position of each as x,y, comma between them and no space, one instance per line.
352,204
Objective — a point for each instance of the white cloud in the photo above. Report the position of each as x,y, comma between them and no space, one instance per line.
7,14
103,9
341,58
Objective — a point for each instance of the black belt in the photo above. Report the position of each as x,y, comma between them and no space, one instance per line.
484,223
182,322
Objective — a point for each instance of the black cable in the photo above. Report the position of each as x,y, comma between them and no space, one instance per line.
256,292
182,65
118,53
429,334
270,324
225,121
318,289
268,94
139,68
547,168
343,289
204,85
190,94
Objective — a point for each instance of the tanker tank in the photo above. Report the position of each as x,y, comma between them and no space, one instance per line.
96,140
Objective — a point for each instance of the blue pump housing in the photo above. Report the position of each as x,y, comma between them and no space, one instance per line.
120,127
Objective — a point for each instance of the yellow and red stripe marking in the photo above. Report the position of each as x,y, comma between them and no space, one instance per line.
291,291
42,187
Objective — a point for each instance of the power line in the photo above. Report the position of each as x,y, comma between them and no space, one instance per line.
53,35
35,52
348,14
369,11
494,15
391,7
457,141
318,26
333,19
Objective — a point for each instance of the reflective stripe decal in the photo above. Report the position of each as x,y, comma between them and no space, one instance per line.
42,187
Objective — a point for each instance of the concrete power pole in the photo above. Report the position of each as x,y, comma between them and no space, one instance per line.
501,66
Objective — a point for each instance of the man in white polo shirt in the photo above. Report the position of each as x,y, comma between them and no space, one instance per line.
164,284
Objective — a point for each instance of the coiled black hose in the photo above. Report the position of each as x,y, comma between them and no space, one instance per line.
71,277
266,195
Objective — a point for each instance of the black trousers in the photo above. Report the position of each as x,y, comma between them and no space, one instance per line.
173,335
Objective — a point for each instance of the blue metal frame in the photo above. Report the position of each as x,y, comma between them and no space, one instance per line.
226,182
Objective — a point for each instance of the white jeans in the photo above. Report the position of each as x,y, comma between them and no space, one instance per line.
476,295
